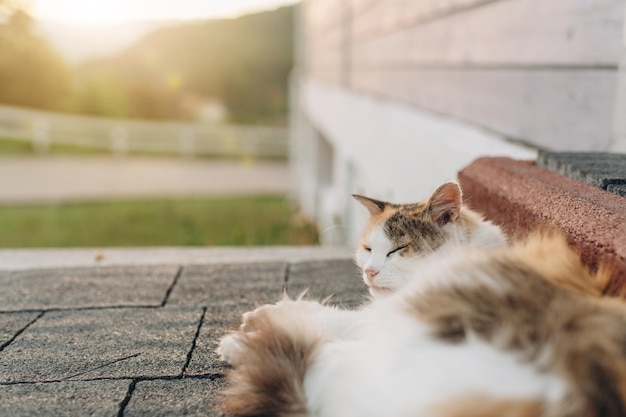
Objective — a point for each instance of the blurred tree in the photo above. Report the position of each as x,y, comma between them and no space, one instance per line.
31,73
243,62
254,86
100,94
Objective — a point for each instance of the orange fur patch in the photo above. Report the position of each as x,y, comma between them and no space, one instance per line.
553,302
549,254
469,218
482,406
278,351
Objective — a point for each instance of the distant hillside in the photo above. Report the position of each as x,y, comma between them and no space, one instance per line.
95,41
243,62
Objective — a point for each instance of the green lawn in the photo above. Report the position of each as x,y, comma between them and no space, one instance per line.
19,147
189,222
15,147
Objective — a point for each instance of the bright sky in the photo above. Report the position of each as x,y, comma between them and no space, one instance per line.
118,11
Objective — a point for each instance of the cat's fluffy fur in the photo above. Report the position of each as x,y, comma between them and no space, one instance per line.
399,238
520,331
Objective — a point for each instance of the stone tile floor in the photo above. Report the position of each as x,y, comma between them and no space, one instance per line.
139,340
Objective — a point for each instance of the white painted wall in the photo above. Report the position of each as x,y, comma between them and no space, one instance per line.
383,149
544,72
541,71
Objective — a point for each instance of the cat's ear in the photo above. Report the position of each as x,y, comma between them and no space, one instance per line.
445,203
373,206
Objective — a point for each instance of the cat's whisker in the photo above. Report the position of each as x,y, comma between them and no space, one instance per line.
331,227
302,294
327,299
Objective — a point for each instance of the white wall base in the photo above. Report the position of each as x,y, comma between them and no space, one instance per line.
382,149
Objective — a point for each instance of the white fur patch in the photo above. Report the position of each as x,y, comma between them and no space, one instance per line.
230,349
450,268
396,271
403,372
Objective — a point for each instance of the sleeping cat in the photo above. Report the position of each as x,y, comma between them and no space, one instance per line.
399,238
520,331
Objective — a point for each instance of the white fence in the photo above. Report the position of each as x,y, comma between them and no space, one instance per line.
122,136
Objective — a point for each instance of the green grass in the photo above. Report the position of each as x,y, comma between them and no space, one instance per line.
11,147
14,147
189,222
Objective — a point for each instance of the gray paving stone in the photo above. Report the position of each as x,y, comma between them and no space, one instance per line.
68,398
12,323
619,189
89,346
234,284
186,397
219,319
109,343
340,278
600,169
85,287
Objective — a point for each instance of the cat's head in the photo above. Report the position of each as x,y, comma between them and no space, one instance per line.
399,236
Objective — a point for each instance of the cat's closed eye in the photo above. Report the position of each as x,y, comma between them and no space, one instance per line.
367,248
399,248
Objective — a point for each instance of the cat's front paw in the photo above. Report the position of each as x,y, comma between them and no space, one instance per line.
231,348
252,320
286,314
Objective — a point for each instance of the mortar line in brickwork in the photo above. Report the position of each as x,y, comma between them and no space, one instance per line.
171,288
22,330
126,400
462,66
423,20
193,344
212,376
113,362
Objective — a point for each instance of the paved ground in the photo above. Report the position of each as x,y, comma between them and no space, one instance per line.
600,169
139,340
60,179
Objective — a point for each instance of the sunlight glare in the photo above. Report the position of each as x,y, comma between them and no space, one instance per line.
90,12
100,12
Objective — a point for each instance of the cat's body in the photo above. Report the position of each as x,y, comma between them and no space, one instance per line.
460,326
400,238
521,330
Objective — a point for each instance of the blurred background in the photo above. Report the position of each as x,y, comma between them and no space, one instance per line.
142,123
251,122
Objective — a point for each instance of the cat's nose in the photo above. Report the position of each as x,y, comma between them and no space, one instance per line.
371,273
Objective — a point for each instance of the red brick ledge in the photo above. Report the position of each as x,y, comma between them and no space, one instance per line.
520,196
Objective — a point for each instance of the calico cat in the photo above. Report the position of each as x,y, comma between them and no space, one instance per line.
399,238
521,331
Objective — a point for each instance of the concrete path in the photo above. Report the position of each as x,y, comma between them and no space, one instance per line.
139,340
62,179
